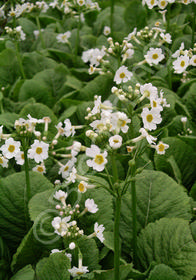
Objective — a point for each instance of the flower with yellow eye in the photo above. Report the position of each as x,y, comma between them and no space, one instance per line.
151,118
10,148
99,159
38,151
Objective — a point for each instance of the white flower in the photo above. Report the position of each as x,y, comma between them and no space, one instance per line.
151,118
91,206
60,195
10,148
75,271
55,251
21,33
115,141
178,52
1,131
99,159
72,176
128,54
149,91
63,37
54,4
93,56
3,161
163,101
99,229
131,35
72,246
83,186
183,119
81,2
75,149
162,4
66,169
154,56
122,75
120,121
156,104
39,168
69,129
161,147
69,256
180,64
19,157
61,226
38,151
166,37
151,3
193,60
106,30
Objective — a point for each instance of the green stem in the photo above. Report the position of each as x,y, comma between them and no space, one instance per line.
19,60
193,25
114,168
169,69
134,216
112,18
168,17
117,238
40,32
27,192
78,37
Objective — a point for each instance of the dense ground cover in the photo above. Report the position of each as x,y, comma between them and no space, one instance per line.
98,140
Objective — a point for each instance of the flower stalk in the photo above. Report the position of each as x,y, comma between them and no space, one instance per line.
117,238
40,32
19,60
27,190
112,18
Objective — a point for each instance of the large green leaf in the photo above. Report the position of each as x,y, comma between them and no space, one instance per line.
163,272
8,119
4,260
168,241
135,15
54,268
185,158
8,67
190,100
158,196
26,273
12,207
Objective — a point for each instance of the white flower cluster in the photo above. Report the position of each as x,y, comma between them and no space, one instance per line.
152,117
162,4
65,225
184,59
16,33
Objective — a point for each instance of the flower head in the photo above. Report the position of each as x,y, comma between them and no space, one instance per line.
3,161
75,271
63,37
180,64
99,159
40,169
91,206
10,148
151,118
38,151
115,141
154,56
98,230
122,75
161,147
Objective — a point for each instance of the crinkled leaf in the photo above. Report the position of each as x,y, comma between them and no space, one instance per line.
168,241
158,196
162,272
26,273
12,216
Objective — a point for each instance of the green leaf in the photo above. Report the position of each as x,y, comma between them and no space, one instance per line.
193,191
193,230
26,273
168,241
137,16
8,67
190,101
158,196
101,85
12,216
4,260
8,119
54,268
34,62
175,169
184,156
162,272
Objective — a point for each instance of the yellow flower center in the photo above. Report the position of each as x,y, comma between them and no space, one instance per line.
121,122
163,3
149,118
1,161
182,63
116,141
99,159
38,150
81,187
155,56
147,93
152,2
122,75
194,60
79,272
161,147
66,168
40,169
22,156
154,103
11,148
100,126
